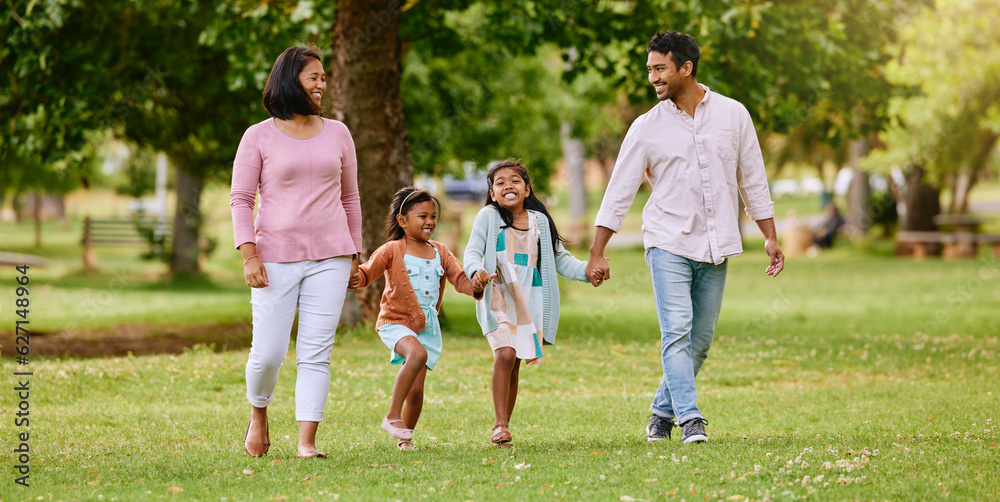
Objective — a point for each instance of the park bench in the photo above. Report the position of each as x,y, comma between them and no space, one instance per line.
17,259
118,233
955,245
925,243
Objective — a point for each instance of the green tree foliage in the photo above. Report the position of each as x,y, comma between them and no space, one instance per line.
948,125
486,101
45,118
811,68
493,108
481,76
137,176
779,59
180,77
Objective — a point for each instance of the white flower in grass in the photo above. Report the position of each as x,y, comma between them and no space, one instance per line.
522,466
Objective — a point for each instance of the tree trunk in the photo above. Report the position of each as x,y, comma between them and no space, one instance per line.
859,218
964,179
37,215
60,200
187,225
573,157
923,202
364,89
17,204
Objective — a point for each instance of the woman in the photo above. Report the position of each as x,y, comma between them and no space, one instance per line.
302,251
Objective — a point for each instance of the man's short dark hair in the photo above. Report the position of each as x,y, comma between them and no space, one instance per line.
681,47
284,95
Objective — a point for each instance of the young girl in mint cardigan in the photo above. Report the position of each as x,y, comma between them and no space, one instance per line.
515,246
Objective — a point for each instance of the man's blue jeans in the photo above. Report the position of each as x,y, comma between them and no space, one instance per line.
688,297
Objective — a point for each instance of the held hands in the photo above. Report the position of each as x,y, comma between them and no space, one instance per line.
598,270
773,250
355,279
480,280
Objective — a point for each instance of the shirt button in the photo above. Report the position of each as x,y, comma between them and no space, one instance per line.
428,261
427,277
427,292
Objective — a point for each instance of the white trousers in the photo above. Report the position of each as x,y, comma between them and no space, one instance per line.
317,289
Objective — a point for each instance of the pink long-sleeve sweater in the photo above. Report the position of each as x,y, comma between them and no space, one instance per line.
310,207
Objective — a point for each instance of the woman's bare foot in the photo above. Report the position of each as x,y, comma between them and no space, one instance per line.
307,441
309,453
257,440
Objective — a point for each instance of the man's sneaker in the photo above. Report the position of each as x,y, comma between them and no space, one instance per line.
693,431
658,428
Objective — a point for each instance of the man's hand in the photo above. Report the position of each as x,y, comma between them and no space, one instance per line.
772,247
773,250
598,270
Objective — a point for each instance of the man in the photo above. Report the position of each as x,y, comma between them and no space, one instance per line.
697,148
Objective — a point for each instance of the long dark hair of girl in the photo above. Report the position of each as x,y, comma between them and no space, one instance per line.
530,202
402,202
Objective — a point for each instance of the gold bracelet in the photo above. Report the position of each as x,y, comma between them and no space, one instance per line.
248,259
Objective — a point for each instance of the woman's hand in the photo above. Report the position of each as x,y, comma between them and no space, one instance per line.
355,279
255,273
480,279
253,268
352,284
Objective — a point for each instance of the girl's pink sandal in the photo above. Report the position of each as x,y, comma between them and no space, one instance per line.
396,432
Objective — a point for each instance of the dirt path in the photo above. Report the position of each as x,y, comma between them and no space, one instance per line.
135,339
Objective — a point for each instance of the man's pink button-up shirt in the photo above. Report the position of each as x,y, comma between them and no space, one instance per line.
695,167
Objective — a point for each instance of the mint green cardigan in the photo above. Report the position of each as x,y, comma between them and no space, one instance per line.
481,254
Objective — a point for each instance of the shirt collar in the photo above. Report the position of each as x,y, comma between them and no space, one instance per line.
708,93
673,106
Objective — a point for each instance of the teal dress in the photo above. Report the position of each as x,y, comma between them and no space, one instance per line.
425,277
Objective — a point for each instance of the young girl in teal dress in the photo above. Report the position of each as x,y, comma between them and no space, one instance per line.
415,268
515,253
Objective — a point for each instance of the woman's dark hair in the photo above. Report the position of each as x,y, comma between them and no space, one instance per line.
283,93
530,202
681,47
402,202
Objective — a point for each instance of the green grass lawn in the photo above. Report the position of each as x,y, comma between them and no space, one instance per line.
852,376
